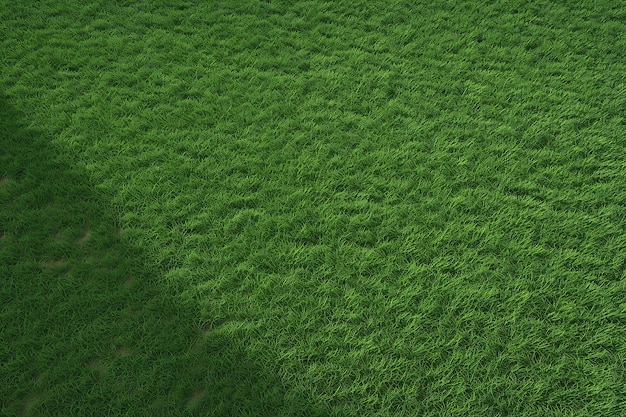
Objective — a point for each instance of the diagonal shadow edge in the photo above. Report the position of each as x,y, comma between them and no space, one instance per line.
88,326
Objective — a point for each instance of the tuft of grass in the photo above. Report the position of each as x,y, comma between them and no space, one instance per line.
312,208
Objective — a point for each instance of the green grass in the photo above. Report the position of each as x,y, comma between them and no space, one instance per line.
312,208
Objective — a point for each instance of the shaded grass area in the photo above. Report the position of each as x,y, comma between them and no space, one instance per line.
88,328
381,209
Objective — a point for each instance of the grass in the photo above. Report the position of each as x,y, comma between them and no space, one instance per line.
314,208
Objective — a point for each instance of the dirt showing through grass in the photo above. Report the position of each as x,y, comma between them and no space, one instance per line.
86,236
195,398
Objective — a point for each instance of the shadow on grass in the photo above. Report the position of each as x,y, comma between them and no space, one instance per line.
87,326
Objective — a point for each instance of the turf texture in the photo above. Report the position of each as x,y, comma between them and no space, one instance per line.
312,208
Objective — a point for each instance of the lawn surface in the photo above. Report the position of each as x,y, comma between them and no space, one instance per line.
312,208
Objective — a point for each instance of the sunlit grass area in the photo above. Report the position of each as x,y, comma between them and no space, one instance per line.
312,208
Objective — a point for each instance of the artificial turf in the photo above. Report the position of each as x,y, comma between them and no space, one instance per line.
312,208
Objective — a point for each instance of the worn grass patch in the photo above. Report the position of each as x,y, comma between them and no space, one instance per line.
313,208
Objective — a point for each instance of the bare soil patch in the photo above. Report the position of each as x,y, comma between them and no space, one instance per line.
123,351
54,264
195,398
85,237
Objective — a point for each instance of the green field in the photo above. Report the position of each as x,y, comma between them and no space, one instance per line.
312,208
